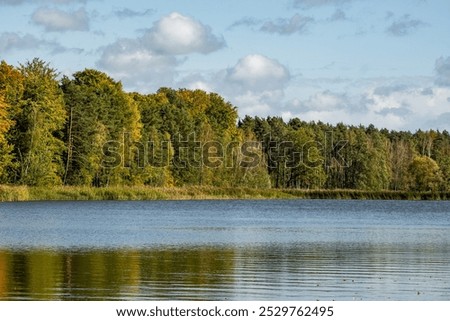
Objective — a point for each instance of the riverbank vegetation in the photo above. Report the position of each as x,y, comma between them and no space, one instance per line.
83,137
88,193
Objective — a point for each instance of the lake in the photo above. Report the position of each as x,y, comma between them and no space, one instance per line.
225,250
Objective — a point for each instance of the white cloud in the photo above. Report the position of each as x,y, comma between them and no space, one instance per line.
258,72
412,106
176,34
262,103
10,41
399,107
150,61
250,103
137,66
441,122
196,81
348,116
255,84
322,101
59,21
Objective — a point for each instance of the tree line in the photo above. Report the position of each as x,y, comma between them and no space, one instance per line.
86,130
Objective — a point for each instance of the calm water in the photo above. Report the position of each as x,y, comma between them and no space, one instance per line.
225,250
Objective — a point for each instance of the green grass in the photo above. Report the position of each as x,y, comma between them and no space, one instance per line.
66,193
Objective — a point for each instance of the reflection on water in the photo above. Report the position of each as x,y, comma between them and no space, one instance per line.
307,272
115,274
225,250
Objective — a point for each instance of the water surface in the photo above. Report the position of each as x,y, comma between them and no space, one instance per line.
225,250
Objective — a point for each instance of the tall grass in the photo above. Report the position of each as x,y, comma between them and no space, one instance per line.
65,193
14,193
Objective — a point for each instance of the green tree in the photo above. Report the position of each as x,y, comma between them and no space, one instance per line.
101,118
441,152
39,119
153,160
426,174
369,159
309,171
250,163
378,173
401,157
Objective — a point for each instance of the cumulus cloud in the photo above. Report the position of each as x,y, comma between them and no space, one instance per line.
257,103
150,61
258,72
296,24
427,91
322,101
137,66
256,84
412,107
10,41
60,21
307,4
176,34
442,69
128,13
196,81
390,89
399,107
441,122
406,103
404,26
333,108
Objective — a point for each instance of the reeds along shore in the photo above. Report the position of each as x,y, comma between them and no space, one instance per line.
78,193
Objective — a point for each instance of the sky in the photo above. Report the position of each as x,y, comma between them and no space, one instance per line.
360,62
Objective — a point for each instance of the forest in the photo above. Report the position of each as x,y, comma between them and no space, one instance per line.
85,130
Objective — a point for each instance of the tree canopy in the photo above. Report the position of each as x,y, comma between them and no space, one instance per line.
84,129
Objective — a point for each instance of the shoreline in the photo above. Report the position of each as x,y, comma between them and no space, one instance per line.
10,193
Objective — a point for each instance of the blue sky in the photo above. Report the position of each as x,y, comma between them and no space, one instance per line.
352,61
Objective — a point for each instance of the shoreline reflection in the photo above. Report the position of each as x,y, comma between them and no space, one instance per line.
305,271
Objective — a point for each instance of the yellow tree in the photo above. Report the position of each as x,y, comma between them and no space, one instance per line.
5,148
426,174
11,91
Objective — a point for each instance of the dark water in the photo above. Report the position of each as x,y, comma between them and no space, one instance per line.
225,250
